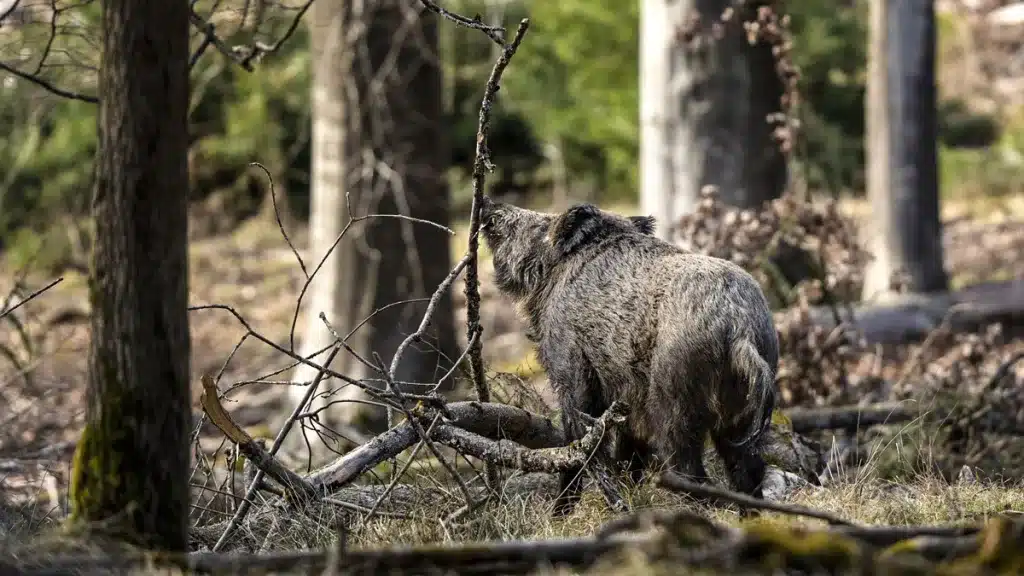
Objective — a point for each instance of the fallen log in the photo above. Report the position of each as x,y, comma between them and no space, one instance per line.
850,417
912,318
486,419
475,558
861,417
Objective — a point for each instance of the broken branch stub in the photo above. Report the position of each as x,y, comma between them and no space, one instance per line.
297,488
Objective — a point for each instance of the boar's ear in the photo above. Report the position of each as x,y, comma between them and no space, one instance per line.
574,228
644,224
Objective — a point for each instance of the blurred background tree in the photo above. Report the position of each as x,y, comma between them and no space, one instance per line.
566,128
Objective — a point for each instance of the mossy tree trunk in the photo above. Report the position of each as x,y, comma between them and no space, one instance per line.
704,103
131,468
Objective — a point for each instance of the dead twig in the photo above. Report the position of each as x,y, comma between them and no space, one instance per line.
373,392
47,85
493,32
244,56
9,10
676,483
277,215
298,490
30,297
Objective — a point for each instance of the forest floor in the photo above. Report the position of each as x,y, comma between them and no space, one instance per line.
254,271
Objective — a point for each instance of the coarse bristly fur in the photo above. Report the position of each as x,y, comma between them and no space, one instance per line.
687,340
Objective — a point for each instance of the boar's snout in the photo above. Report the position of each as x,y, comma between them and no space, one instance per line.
488,212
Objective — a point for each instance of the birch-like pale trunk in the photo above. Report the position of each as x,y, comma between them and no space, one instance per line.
340,288
378,148
703,113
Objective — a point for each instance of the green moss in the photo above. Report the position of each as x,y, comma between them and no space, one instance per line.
780,546
1001,550
779,418
909,546
114,491
95,473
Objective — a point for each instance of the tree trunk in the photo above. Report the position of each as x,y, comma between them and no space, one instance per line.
905,231
131,466
340,287
704,105
403,129
377,138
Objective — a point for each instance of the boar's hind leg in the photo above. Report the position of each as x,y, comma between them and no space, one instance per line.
682,447
576,386
744,464
680,422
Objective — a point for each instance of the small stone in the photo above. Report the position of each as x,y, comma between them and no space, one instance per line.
966,476
779,484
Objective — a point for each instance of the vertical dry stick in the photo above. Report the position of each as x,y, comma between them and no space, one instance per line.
482,165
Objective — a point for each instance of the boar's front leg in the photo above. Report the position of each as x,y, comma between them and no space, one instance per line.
635,454
577,388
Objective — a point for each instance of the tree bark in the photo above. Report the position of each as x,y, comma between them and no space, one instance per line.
905,231
704,104
377,139
131,466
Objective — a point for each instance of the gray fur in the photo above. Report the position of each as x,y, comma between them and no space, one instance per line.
686,339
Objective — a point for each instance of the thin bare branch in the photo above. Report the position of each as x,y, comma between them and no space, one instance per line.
30,297
47,85
277,215
676,483
11,7
495,33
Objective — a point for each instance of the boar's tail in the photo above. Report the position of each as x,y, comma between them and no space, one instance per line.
749,366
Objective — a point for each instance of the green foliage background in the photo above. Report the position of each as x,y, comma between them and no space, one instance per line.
572,87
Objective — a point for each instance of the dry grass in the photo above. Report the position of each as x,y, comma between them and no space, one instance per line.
923,501
862,498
